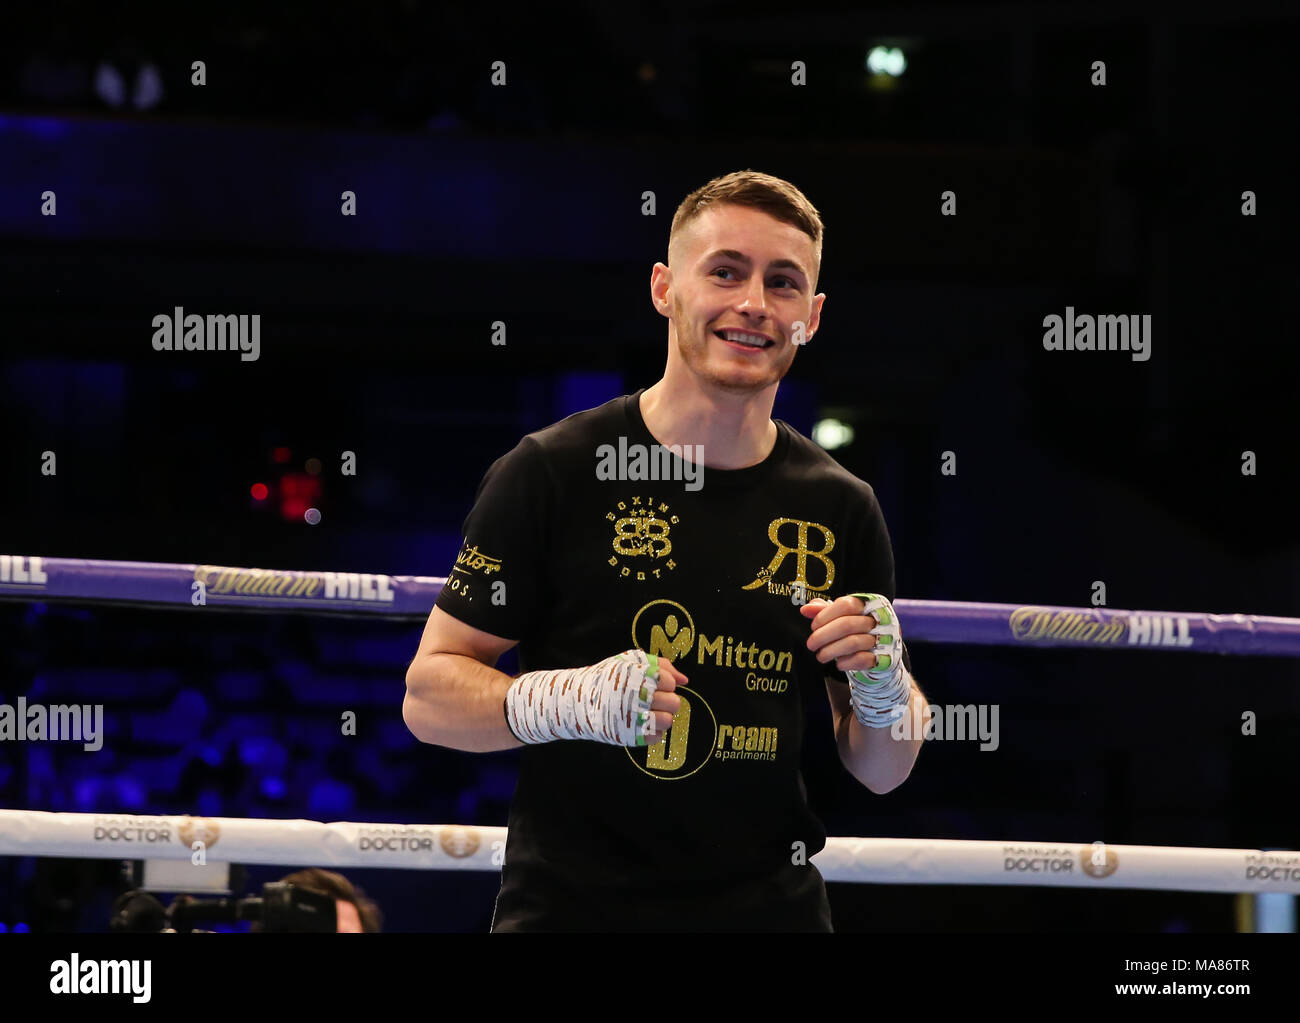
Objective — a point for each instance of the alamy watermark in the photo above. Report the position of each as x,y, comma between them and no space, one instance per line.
36,722
75,976
182,332
656,462
1085,333
952,722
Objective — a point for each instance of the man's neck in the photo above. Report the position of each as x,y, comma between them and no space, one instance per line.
736,432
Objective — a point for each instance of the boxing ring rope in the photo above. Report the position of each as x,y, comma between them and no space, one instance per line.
431,847
152,584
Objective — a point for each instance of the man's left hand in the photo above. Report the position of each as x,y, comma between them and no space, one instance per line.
841,632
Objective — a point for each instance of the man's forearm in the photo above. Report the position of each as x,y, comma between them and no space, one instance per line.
873,755
455,701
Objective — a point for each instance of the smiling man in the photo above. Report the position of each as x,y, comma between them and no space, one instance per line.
669,634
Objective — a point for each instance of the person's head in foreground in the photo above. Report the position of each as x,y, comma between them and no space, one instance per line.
356,913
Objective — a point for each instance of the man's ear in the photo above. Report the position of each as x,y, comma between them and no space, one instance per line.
660,285
815,317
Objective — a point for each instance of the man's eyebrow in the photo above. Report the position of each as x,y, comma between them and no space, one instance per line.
739,257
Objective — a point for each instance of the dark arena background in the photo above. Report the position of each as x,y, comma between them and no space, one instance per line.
1007,472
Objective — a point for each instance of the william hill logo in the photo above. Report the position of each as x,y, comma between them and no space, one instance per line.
1034,624
1104,628
255,584
22,571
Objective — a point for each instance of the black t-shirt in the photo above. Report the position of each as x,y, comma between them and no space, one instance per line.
710,829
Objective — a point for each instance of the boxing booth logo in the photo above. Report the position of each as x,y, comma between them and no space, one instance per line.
641,542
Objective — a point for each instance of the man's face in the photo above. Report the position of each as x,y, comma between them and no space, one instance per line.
736,268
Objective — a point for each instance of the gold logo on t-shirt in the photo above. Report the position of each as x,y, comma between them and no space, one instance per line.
666,629
471,559
641,529
801,551
470,562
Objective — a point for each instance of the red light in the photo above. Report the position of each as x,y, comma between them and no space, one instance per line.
259,491
298,492
282,455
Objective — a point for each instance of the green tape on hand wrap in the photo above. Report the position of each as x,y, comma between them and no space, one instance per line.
882,615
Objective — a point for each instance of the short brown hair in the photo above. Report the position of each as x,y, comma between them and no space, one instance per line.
756,190
326,882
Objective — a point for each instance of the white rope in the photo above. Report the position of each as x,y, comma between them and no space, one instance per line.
446,847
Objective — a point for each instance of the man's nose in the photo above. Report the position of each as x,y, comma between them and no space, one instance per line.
754,298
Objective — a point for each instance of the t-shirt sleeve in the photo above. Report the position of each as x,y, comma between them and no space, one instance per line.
498,581
869,559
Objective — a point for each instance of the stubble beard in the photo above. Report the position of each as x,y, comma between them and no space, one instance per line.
698,360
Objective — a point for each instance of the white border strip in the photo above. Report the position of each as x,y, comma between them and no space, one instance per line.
451,847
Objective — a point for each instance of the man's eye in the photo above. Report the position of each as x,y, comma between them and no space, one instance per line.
727,270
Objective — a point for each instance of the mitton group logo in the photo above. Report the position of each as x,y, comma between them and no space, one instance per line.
667,629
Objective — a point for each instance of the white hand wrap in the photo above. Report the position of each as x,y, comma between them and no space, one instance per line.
880,695
606,702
